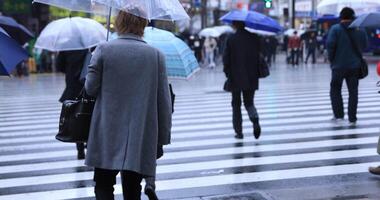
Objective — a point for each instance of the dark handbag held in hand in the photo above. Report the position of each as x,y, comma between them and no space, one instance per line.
263,67
75,119
227,85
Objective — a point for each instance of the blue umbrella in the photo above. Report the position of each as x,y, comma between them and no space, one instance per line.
180,60
17,31
253,20
11,54
369,20
327,18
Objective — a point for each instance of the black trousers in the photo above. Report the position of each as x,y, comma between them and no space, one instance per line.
248,98
352,81
310,52
105,180
295,55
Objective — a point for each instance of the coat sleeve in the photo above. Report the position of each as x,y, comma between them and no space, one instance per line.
61,62
94,75
331,44
164,104
227,59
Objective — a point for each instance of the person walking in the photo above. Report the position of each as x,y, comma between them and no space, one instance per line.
132,113
294,46
241,62
71,63
209,49
345,64
311,46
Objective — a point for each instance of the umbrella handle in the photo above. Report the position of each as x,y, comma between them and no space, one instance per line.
109,23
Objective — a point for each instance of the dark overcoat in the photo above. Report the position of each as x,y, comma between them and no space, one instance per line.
132,114
71,63
241,60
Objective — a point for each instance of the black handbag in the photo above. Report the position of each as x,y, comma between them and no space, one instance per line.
363,68
227,85
263,67
75,119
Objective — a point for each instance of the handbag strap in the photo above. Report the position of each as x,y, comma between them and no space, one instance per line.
353,44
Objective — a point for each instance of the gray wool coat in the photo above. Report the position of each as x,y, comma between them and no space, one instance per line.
132,113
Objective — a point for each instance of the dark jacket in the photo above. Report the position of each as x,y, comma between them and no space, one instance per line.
241,59
311,43
71,63
340,51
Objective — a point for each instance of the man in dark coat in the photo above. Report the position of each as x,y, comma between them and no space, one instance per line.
311,45
345,64
241,59
71,63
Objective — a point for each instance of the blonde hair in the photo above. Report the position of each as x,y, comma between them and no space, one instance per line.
128,23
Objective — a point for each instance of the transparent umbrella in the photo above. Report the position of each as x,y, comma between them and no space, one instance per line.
71,34
148,9
209,32
333,7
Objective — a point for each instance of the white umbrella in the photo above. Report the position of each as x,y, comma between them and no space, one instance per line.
224,29
290,32
148,9
71,34
333,7
209,32
259,32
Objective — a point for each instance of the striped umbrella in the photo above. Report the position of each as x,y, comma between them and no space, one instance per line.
180,59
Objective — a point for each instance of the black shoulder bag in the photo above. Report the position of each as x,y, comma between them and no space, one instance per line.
363,63
75,119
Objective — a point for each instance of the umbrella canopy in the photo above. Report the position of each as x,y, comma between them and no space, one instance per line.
17,31
209,32
71,34
333,7
11,54
253,20
3,31
224,29
215,31
148,9
264,33
327,18
180,60
370,20
290,32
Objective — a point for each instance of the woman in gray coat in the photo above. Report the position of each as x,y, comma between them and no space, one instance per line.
132,114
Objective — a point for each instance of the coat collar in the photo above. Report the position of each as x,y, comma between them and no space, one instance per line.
130,36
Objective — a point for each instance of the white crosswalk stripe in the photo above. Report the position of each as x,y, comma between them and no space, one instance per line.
298,142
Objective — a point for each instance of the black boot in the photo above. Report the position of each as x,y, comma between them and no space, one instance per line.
237,122
150,188
149,191
256,127
81,155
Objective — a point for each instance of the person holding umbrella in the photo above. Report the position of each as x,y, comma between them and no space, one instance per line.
241,62
71,63
132,114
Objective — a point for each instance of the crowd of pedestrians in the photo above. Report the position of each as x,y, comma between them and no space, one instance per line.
130,125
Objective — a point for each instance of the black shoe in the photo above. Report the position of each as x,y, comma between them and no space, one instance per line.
239,136
81,155
256,128
149,191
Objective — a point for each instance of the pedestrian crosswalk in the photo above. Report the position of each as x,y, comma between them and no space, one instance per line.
299,146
